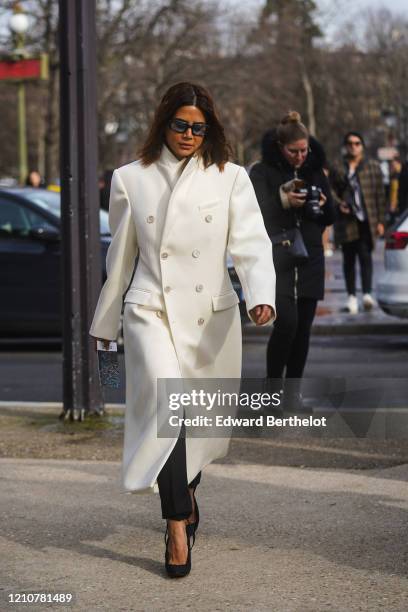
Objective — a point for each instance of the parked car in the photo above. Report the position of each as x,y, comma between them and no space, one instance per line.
30,248
392,288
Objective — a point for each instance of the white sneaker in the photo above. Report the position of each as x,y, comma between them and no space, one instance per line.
368,302
352,304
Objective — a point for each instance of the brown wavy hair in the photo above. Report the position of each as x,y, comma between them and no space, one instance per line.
291,128
214,150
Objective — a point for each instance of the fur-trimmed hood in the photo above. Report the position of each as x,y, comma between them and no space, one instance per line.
271,154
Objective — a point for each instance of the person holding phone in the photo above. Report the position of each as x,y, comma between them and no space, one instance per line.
180,207
294,195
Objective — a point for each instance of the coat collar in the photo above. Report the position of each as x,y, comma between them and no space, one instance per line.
173,168
361,165
179,174
168,158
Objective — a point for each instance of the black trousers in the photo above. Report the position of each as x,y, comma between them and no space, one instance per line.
288,345
172,482
362,249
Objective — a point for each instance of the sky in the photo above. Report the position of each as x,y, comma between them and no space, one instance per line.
393,5
348,9
332,12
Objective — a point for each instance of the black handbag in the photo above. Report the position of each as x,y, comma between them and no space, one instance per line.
291,247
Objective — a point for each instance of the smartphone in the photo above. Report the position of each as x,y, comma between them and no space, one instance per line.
300,186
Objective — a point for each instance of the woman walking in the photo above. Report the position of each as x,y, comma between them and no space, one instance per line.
292,163
180,207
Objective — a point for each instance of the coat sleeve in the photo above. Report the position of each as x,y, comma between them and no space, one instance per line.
249,245
328,209
380,193
337,185
269,198
120,263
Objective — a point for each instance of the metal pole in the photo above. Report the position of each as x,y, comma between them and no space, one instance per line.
81,247
22,128
22,138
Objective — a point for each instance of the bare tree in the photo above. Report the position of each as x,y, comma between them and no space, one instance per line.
257,66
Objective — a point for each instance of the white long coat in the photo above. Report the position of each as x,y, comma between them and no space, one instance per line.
181,318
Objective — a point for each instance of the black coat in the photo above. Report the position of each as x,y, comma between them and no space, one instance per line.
267,176
403,189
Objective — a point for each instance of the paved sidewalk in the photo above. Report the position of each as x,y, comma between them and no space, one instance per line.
332,318
331,314
281,539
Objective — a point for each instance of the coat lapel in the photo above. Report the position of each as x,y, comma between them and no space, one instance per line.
179,193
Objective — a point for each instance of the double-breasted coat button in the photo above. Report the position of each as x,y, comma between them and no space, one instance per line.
167,289
159,314
208,218
199,288
200,321
196,253
164,255
150,219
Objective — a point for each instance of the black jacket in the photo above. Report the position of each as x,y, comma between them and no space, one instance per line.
403,189
267,176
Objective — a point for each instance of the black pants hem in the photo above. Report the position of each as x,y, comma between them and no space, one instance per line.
173,486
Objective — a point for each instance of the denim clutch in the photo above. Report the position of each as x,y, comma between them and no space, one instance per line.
108,366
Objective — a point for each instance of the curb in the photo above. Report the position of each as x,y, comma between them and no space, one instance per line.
339,329
368,329
50,407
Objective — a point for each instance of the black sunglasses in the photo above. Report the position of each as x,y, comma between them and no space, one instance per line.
180,126
356,143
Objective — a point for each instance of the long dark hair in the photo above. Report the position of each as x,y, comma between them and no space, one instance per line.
214,149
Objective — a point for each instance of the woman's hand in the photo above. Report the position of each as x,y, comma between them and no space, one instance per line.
261,314
344,208
380,229
322,200
105,343
295,199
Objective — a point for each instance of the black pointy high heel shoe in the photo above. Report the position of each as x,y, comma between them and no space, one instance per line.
177,571
192,527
